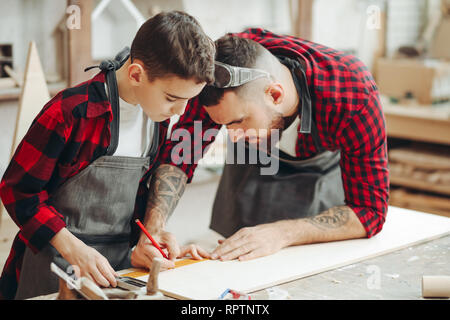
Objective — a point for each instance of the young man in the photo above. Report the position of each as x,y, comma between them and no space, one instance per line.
76,183
332,183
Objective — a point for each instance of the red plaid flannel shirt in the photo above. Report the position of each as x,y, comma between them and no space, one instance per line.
349,117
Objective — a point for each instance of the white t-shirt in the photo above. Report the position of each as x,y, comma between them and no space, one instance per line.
289,138
135,130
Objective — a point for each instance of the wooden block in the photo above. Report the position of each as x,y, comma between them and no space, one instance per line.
436,286
90,290
65,293
152,282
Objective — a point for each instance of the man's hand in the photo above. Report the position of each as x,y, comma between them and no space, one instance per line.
87,261
337,223
253,242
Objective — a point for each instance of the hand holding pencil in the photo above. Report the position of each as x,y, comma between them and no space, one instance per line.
162,244
139,223
148,247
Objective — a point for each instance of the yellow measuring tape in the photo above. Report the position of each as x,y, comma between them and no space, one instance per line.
136,273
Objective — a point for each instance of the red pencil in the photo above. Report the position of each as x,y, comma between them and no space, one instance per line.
151,238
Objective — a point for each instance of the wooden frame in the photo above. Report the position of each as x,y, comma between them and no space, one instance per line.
301,18
80,51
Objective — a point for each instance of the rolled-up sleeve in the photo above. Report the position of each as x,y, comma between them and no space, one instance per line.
364,165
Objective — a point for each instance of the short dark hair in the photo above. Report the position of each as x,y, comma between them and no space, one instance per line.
235,51
174,43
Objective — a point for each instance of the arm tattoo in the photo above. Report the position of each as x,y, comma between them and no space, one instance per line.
332,218
166,188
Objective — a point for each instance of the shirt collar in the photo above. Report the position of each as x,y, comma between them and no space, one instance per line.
299,77
98,102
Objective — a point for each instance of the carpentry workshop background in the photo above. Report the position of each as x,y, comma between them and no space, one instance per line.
45,45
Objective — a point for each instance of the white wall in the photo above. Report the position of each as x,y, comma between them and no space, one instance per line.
220,17
22,21
342,25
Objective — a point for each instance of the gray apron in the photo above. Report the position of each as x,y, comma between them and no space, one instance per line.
97,205
300,188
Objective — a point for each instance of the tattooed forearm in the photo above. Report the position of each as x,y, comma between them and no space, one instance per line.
166,188
332,218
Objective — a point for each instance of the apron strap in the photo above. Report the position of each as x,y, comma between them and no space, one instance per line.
110,67
154,143
111,83
307,123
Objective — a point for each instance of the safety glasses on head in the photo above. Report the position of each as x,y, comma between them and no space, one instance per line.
226,76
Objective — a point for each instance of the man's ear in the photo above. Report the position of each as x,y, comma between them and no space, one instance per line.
136,73
275,93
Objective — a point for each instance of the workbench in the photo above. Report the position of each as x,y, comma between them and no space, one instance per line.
396,275
400,275
418,122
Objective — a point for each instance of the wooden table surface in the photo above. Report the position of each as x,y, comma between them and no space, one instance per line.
396,275
393,276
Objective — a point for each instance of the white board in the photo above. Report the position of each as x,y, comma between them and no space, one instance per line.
209,279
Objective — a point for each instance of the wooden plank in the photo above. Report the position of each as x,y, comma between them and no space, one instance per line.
424,202
301,18
33,97
208,279
419,129
419,185
425,157
428,123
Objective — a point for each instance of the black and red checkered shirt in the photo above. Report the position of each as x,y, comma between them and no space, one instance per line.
349,117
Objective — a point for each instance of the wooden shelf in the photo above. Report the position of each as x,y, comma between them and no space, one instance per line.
422,202
13,93
418,123
419,185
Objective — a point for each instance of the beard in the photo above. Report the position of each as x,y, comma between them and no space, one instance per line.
274,132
